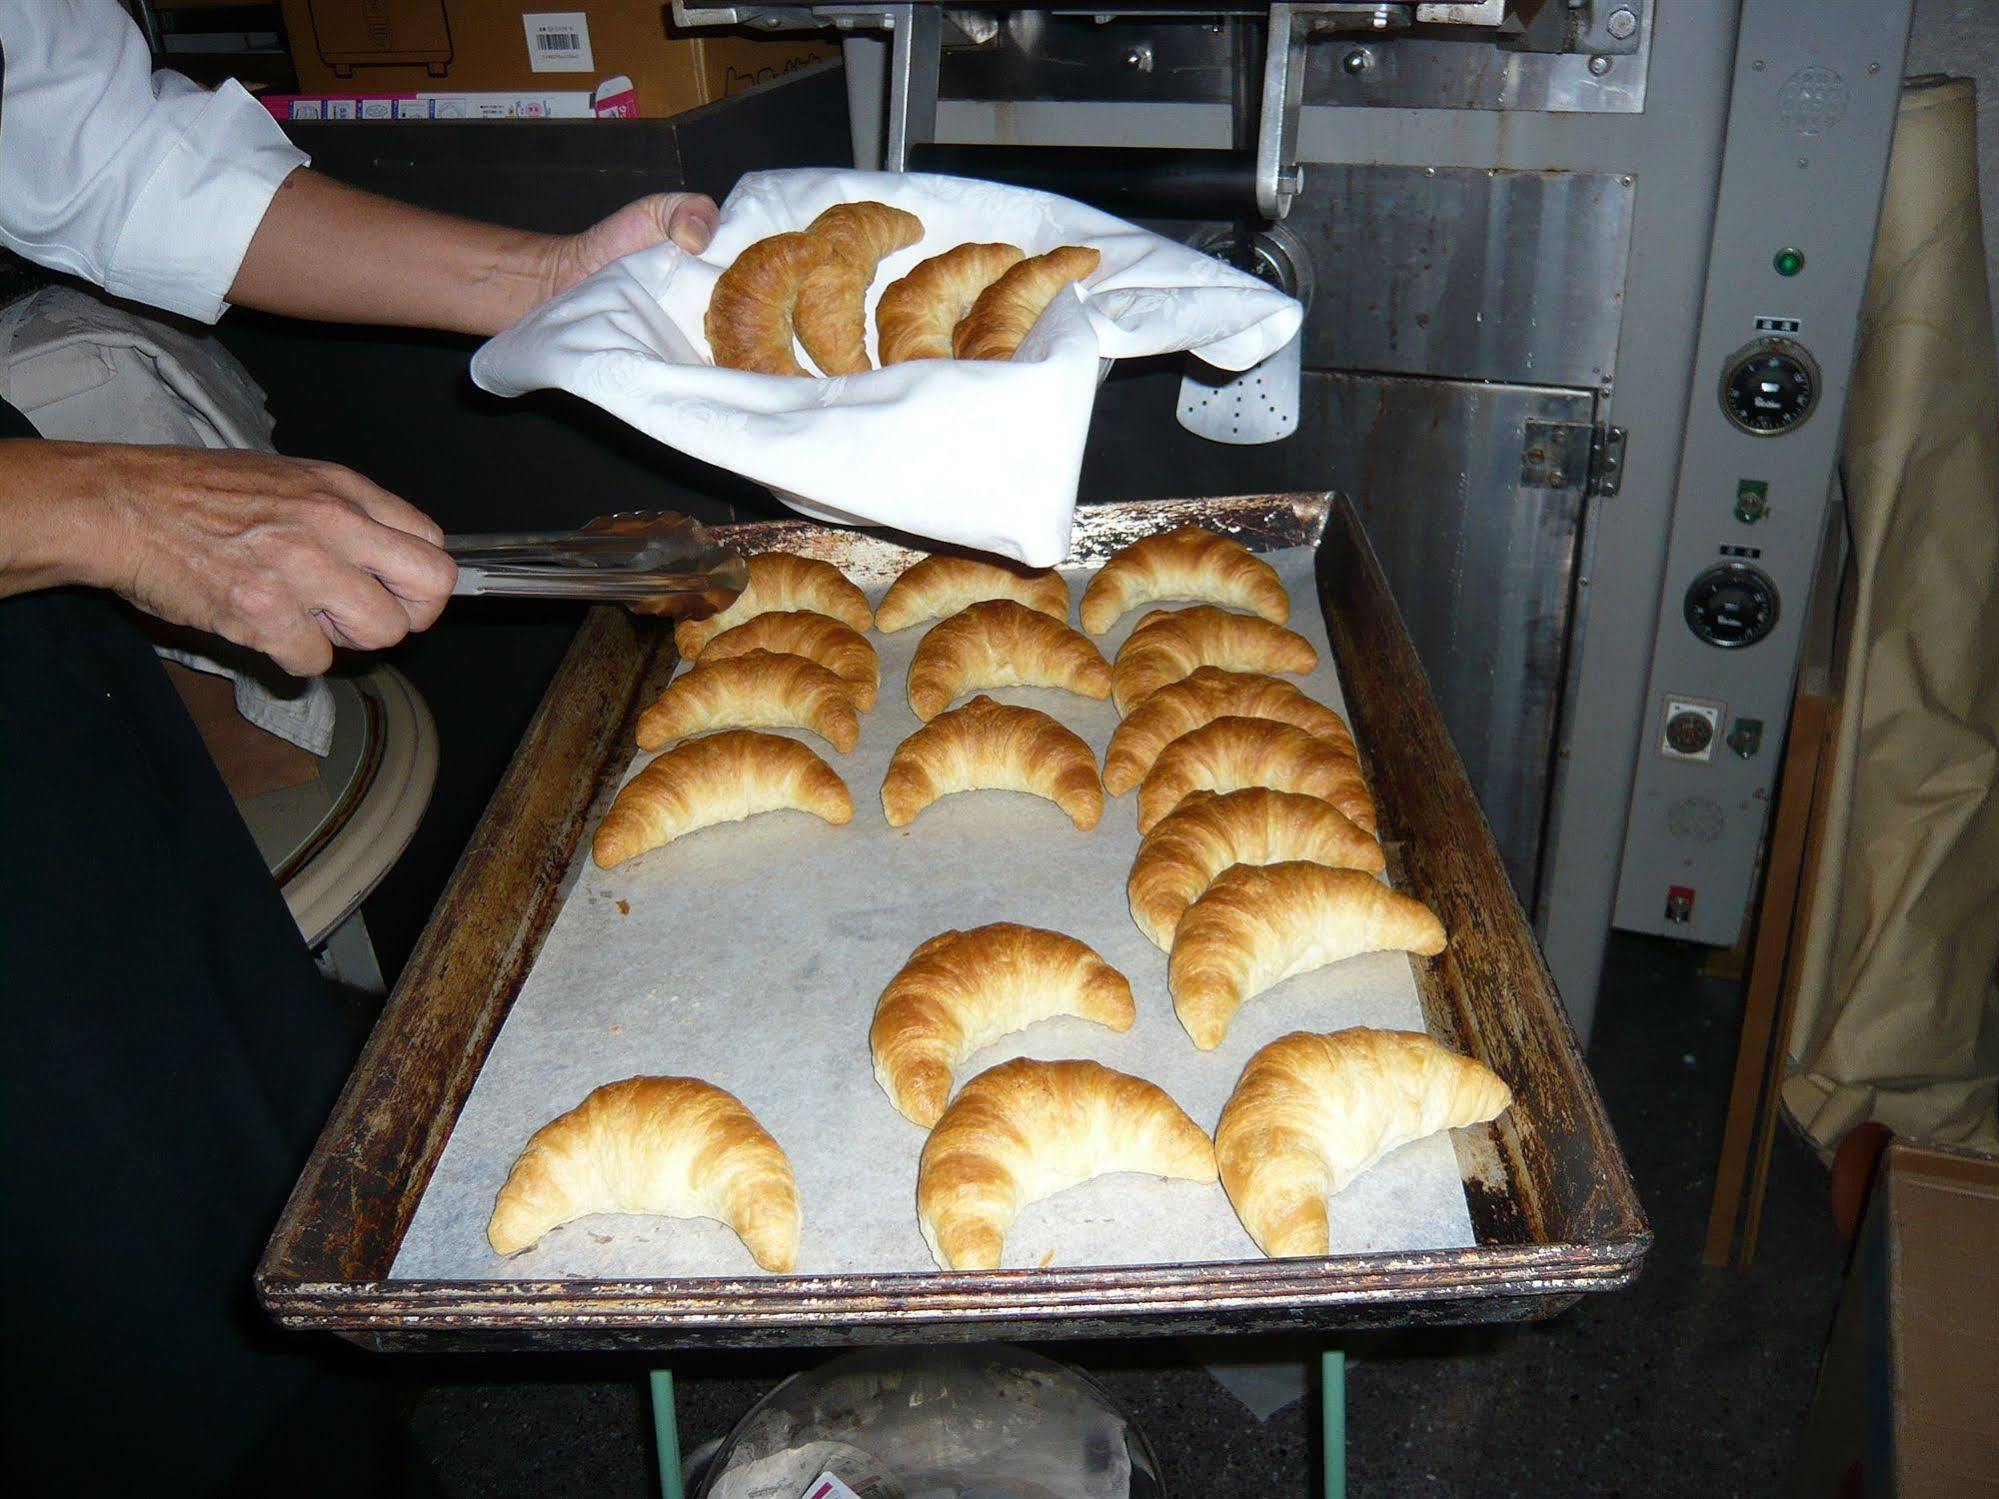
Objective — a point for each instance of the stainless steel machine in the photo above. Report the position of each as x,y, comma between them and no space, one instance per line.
1583,282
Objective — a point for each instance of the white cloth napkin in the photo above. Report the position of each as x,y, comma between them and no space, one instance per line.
979,453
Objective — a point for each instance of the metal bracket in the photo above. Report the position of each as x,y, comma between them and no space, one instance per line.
915,53
1279,179
1606,460
1567,455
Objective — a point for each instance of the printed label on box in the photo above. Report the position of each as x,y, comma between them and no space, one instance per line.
558,41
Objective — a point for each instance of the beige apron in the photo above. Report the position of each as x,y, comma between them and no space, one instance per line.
1898,1010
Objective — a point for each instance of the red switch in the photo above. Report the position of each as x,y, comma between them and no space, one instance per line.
1680,904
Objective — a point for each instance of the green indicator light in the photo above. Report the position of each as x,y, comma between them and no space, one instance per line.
1788,261
1752,500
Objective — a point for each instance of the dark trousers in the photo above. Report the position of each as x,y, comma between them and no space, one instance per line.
168,1054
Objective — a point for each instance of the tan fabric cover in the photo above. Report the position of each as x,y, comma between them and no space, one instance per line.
1898,1014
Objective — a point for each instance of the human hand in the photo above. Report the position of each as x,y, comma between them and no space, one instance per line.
287,556
688,219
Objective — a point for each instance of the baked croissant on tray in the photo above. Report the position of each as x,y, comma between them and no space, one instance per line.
998,643
1171,644
724,777
1257,925
674,1146
964,990
1198,700
1025,1130
986,745
1188,562
1312,1112
756,690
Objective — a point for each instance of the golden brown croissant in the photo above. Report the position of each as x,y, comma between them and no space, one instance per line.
749,319
1231,753
1187,562
1170,644
756,690
1311,1112
937,586
805,632
915,316
778,580
989,746
674,1146
998,643
831,318
722,778
1004,311
1259,924
1208,694
964,990
1207,834
1025,1130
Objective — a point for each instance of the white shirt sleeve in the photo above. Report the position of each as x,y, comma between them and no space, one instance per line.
139,181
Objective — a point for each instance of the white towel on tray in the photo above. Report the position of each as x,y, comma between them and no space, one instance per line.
983,454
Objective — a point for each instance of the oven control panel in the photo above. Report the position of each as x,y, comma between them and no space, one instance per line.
1811,115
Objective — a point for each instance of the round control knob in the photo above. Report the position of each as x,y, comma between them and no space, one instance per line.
1732,605
1769,387
1689,732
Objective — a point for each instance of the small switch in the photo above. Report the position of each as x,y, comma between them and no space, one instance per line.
1679,904
1752,500
1746,738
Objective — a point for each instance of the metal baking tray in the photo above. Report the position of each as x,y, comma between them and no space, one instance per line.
1551,1199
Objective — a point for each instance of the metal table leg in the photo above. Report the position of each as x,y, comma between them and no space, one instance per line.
1333,1420
666,1434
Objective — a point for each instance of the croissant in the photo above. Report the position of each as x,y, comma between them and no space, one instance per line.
674,1146
1259,924
1207,834
939,586
915,316
1311,1112
999,643
1208,694
1184,563
964,990
1232,753
1004,311
831,317
722,778
750,312
1025,1130
805,632
759,689
989,746
1168,645
778,580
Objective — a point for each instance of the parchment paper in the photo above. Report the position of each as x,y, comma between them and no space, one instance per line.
752,955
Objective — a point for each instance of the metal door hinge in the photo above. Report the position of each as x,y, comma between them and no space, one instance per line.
1571,455
1606,459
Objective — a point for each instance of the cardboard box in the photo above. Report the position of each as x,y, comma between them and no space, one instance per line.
1908,1394
406,47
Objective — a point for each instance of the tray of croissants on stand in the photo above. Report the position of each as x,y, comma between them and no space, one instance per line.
927,946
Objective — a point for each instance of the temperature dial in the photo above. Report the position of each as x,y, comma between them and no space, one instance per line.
1769,387
1732,605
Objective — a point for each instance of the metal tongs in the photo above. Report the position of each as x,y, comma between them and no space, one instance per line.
653,561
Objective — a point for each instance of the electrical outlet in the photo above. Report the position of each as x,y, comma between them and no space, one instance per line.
1690,728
